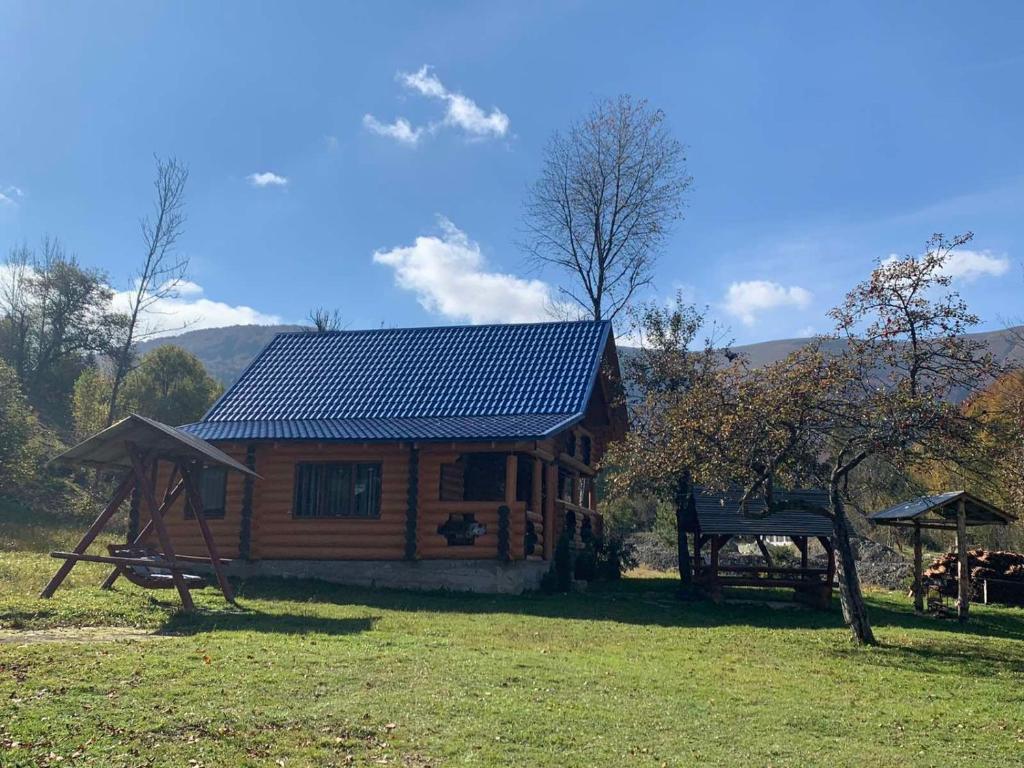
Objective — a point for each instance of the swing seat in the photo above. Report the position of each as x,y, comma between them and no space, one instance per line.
155,576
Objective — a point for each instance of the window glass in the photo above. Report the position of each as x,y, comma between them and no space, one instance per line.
337,490
212,490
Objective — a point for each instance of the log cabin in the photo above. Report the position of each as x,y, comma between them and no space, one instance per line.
451,457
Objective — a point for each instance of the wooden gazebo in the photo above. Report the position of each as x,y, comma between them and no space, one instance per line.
800,516
951,511
135,446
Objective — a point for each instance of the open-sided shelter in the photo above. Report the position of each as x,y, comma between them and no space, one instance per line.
136,447
801,515
950,511
449,457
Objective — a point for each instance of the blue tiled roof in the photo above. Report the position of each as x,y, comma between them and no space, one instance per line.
458,382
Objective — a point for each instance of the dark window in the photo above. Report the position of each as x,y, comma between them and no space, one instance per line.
337,490
474,477
586,446
213,491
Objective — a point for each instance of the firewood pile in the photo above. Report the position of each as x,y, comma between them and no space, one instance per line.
1004,572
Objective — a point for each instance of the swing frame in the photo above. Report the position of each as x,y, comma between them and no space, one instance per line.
135,445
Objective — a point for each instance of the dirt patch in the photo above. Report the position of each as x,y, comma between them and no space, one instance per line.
76,635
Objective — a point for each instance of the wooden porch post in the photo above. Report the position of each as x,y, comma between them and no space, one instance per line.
551,471
515,547
537,493
918,586
963,572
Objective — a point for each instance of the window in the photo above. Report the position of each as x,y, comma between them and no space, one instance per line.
474,477
337,490
213,491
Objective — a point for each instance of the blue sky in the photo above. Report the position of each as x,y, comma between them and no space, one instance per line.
820,136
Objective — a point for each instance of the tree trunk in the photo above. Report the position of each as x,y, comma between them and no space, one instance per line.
682,501
855,612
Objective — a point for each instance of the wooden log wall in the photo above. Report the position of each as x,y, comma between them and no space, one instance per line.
274,533
277,534
434,513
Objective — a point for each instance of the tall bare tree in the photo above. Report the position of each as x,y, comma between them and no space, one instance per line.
609,190
323,320
159,277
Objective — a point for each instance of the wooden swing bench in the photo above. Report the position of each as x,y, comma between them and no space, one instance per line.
137,444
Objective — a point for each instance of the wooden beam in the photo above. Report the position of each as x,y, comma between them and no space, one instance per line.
918,582
119,560
196,499
124,488
146,491
511,474
963,572
551,480
575,464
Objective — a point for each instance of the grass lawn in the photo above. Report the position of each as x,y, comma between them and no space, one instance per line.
310,674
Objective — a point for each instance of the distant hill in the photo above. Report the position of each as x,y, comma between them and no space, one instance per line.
226,351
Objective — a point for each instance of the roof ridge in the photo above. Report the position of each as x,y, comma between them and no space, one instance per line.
454,326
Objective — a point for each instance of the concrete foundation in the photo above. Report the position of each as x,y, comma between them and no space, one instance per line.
487,576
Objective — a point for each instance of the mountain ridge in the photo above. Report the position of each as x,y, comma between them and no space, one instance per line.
228,350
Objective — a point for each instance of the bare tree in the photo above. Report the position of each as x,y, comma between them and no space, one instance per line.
324,320
159,277
609,190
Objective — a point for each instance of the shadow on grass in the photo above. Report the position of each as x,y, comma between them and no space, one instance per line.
249,620
648,601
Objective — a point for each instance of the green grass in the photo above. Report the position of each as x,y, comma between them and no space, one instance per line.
311,674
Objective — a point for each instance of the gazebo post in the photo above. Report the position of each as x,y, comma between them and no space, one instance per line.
122,492
963,571
918,585
146,489
170,496
196,499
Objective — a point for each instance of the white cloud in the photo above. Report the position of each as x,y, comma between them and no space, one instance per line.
267,179
448,274
747,298
401,130
191,310
9,195
461,112
188,310
968,265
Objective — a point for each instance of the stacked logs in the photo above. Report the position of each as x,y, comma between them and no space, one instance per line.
1004,572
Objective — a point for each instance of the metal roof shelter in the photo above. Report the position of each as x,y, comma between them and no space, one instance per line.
796,513
716,517
483,383
953,511
137,444
940,511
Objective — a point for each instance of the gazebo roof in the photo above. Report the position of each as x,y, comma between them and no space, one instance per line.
108,449
940,510
794,513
